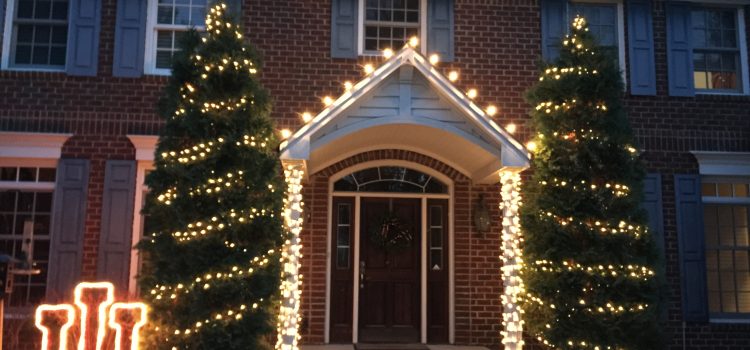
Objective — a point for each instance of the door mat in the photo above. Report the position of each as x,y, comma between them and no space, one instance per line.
390,347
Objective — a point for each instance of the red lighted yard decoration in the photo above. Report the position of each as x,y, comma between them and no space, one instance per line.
89,322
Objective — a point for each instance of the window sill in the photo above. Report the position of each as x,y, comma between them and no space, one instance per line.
158,72
31,69
717,320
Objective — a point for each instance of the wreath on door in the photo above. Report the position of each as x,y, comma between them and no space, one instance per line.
390,233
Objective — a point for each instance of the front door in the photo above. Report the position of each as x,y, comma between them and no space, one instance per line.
389,303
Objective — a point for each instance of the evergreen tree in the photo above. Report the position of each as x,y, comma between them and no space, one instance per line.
590,261
216,200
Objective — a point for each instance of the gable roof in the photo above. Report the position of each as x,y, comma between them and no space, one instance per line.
510,152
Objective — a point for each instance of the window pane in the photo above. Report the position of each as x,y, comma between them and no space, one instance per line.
436,237
436,259
708,189
728,302
47,174
182,15
198,16
60,10
6,224
25,33
744,302
163,59
57,56
8,173
43,202
42,34
59,35
741,190
164,39
725,190
25,9
342,258
344,214
40,55
23,54
164,15
714,302
342,236
27,174
43,9
8,201
25,202
436,216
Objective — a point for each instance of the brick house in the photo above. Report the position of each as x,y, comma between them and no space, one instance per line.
78,126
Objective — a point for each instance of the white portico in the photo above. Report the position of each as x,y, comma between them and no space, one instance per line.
406,104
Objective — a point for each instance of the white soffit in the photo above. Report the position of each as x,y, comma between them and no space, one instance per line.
145,146
31,145
723,163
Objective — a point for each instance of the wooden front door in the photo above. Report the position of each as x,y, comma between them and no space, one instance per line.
389,303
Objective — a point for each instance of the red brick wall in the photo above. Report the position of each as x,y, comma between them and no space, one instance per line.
497,47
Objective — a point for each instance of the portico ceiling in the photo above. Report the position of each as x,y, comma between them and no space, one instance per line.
408,104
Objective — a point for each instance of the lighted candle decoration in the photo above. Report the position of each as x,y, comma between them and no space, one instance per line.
93,301
54,321
124,317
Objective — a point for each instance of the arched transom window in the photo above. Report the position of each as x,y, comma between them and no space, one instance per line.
390,179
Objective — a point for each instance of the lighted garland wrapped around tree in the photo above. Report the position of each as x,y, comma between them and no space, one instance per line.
590,260
215,206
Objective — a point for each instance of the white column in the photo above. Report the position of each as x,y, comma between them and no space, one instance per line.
512,333
288,323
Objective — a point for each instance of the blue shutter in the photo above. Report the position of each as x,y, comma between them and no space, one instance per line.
344,28
3,3
440,29
554,27
83,37
692,247
130,38
679,50
68,218
115,239
641,48
235,8
652,204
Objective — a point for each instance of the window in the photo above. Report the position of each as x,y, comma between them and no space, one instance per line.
716,49
343,235
38,34
726,208
390,179
390,24
168,21
605,19
25,211
436,237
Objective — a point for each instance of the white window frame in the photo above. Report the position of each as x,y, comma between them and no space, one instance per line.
144,155
742,45
47,187
361,31
620,32
717,167
7,32
149,59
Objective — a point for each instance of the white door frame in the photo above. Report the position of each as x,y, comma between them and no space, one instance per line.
423,268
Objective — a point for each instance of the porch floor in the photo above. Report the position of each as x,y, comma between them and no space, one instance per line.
389,346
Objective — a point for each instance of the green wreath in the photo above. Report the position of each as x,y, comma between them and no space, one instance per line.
390,233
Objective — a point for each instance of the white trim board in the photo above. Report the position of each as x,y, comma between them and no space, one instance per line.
723,163
145,146
31,145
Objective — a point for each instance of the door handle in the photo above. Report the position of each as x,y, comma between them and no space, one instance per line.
361,274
